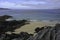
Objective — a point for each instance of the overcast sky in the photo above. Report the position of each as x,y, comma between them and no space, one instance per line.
30,4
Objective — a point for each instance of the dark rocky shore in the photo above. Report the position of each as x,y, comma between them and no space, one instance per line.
47,33
44,33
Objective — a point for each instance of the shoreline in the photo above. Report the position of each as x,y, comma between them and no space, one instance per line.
34,24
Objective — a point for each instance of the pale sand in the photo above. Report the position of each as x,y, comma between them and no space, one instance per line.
31,27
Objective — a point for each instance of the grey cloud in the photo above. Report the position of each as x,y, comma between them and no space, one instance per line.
36,4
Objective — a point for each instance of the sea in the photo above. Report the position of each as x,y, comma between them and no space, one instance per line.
33,14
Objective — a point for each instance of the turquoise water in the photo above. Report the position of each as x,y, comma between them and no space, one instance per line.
33,14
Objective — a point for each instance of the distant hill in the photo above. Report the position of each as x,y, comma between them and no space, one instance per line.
4,9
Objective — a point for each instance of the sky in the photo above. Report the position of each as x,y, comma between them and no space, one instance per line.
30,4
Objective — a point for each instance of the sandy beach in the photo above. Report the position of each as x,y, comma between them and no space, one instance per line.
34,24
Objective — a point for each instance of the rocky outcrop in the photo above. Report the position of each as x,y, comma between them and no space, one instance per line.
52,33
48,33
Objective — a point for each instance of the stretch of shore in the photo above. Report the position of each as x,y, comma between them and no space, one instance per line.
34,24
